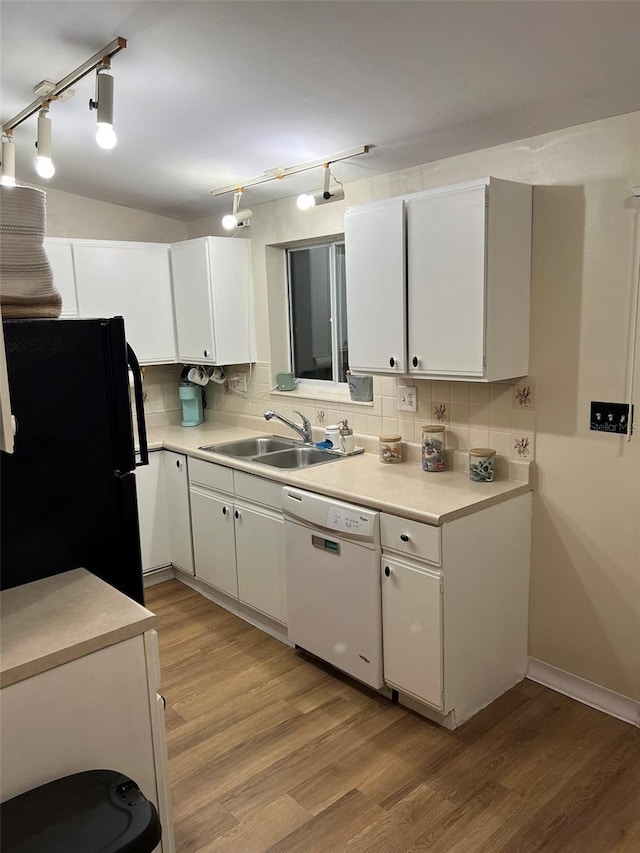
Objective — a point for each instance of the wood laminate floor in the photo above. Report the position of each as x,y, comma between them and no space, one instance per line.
270,752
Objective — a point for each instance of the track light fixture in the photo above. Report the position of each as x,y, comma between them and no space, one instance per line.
44,163
237,218
308,200
241,217
8,162
60,91
103,103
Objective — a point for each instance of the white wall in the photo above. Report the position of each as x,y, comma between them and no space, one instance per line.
585,585
71,215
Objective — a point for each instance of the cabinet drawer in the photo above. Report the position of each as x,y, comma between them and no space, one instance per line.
258,489
410,537
209,474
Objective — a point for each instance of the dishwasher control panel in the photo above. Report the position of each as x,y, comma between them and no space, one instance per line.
344,520
350,520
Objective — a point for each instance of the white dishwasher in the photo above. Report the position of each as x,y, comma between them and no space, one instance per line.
332,554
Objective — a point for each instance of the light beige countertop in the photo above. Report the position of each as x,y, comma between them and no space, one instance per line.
402,489
56,620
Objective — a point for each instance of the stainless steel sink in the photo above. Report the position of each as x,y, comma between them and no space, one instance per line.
297,457
273,450
246,448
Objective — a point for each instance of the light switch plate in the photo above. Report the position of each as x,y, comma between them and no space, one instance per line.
407,398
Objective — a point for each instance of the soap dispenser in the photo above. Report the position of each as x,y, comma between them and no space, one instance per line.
347,438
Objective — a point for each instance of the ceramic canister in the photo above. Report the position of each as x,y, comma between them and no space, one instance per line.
481,462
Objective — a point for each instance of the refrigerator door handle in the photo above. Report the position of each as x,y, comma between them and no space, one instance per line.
138,398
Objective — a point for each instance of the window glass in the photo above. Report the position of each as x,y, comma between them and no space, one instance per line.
317,312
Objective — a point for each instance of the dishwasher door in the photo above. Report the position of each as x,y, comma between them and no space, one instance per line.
334,600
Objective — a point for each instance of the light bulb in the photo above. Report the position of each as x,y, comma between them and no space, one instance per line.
306,201
45,167
229,222
106,135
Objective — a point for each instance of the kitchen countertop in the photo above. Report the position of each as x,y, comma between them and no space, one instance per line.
59,619
403,489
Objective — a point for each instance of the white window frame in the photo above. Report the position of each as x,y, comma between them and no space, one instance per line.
319,385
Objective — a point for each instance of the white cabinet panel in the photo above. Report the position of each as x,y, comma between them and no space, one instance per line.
214,547
212,289
260,560
446,274
132,280
60,257
152,513
375,275
412,630
192,300
178,510
466,282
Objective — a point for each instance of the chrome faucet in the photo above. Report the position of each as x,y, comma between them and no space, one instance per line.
304,431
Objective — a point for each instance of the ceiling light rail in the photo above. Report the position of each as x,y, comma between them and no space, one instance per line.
81,71
279,174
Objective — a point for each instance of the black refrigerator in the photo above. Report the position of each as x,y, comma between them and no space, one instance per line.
68,490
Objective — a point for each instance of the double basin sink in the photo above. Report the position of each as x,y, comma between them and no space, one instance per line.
274,451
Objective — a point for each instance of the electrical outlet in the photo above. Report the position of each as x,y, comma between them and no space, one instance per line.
320,417
407,398
237,381
610,417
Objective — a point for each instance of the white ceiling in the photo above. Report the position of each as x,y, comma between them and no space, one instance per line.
209,94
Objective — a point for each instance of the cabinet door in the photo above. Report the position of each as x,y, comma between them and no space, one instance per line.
262,581
152,513
412,630
231,286
133,280
61,259
446,281
214,548
375,276
178,510
192,300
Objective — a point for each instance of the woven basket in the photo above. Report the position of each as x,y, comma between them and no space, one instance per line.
26,278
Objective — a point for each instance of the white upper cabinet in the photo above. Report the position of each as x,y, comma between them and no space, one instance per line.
212,291
467,282
375,274
132,280
60,255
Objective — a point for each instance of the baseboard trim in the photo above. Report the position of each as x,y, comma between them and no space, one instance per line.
158,576
593,695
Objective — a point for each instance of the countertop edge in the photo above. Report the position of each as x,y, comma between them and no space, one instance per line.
513,488
58,657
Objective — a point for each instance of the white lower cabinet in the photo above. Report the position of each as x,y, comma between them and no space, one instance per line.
262,580
100,710
455,608
176,481
238,536
214,546
163,512
412,629
152,513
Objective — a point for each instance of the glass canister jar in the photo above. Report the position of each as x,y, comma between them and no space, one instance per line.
390,448
433,447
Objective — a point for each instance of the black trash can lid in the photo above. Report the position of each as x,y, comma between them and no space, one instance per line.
97,811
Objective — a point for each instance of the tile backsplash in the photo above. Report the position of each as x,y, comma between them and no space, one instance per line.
500,415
